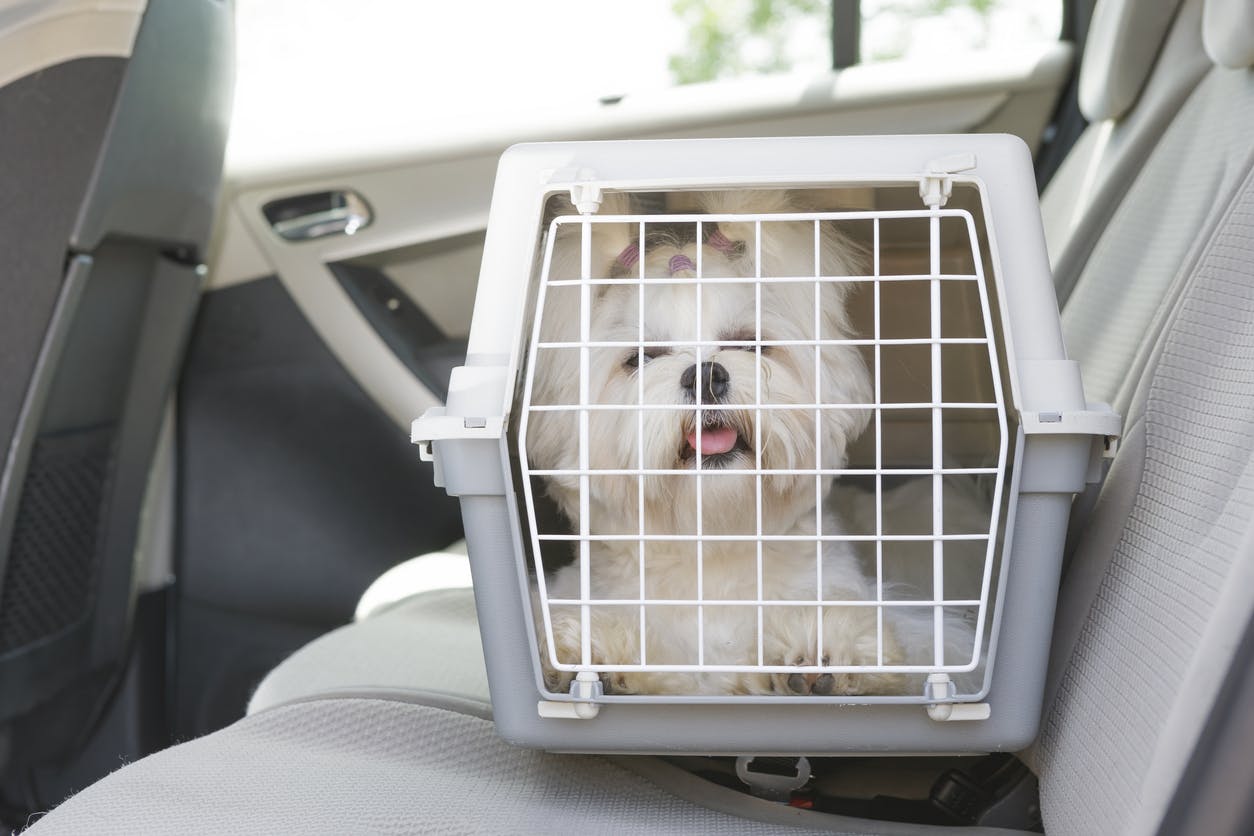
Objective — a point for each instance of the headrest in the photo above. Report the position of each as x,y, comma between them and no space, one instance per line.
1228,32
1123,41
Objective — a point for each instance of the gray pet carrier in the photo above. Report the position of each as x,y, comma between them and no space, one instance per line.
766,446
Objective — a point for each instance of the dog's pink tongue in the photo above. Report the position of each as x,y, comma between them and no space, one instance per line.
713,441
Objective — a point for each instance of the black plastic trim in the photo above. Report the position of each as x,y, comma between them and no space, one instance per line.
162,185
1067,123
417,342
14,474
846,33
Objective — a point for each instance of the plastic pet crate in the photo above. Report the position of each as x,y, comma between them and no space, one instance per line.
766,446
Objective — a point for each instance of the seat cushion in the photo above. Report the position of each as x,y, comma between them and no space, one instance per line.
427,643
375,766
448,568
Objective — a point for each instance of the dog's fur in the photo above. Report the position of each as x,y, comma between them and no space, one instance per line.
729,501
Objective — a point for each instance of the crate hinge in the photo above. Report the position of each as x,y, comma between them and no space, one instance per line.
585,688
940,687
937,183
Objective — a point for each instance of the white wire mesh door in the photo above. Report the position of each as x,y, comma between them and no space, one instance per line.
763,498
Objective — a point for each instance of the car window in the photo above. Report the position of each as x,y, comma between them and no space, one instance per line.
505,57
351,72
938,29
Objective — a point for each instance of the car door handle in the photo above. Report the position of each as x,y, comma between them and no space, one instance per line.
318,214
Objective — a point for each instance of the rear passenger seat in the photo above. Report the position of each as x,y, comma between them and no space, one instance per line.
1156,599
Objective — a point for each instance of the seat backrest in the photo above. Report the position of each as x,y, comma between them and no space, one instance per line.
113,170
1131,277
1162,584
1141,60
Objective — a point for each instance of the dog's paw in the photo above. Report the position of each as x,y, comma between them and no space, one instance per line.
803,683
621,682
618,683
566,635
850,640
829,684
556,681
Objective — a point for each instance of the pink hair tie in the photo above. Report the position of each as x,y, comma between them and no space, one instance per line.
629,256
681,262
721,242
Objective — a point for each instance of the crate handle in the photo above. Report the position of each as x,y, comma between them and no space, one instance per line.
436,425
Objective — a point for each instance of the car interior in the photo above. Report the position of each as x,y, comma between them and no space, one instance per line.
232,596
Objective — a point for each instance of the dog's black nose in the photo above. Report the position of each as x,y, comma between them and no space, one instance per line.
714,379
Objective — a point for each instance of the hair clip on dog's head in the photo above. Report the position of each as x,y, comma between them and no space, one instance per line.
728,247
679,263
628,257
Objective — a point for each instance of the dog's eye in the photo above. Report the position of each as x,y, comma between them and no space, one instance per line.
632,360
751,348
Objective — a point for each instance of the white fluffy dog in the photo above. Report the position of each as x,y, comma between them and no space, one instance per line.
713,389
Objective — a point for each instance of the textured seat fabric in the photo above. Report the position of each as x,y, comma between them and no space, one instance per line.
375,766
1147,629
1163,580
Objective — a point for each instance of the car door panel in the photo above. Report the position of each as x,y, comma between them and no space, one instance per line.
295,492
